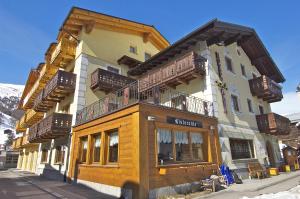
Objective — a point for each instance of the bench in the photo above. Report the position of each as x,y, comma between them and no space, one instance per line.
256,170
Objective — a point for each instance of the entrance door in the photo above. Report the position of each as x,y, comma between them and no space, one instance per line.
270,154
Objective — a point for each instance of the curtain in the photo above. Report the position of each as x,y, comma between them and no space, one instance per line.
98,141
85,144
181,137
113,139
196,138
164,136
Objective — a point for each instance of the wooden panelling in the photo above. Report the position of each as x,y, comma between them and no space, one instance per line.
137,166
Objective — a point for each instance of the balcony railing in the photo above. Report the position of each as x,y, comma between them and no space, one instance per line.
265,88
273,123
107,81
57,88
182,70
63,53
53,126
131,94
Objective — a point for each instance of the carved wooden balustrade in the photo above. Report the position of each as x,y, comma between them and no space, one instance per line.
265,88
107,81
272,123
62,84
182,70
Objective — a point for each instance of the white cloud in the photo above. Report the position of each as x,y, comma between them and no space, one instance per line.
289,104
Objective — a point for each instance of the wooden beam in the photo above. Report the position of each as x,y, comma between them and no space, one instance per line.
215,39
232,39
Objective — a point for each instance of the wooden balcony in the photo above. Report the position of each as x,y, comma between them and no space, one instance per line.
180,71
33,117
47,71
273,123
20,124
55,125
17,143
107,81
62,53
265,88
33,136
62,84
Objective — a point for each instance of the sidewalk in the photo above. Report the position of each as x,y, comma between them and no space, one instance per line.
21,184
255,187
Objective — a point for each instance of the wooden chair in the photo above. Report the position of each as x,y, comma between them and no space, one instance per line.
256,170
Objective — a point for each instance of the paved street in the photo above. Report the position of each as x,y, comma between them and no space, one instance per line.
17,184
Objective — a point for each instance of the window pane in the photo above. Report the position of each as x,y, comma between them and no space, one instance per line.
228,64
235,102
249,105
182,146
133,49
197,141
97,147
241,149
113,146
84,146
164,146
243,70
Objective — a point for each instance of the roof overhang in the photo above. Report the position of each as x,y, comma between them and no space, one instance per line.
80,19
128,61
221,33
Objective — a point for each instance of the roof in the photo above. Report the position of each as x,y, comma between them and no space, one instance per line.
215,32
294,117
79,18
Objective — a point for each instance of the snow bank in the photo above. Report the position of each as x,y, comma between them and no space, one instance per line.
293,193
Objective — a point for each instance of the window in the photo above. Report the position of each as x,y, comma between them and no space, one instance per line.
147,56
250,105
261,109
187,146
197,140
229,64
113,148
59,155
44,156
182,146
179,102
243,70
165,146
241,149
97,147
133,49
113,69
83,149
235,103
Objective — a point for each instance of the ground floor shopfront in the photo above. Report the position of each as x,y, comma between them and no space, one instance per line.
28,158
140,151
241,145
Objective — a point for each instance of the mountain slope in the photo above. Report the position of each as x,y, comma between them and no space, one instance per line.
9,98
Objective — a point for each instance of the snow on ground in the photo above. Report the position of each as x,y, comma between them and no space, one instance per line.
293,193
7,90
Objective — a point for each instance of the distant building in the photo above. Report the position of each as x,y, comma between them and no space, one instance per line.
8,159
292,139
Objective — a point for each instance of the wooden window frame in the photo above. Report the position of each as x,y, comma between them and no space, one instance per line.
93,148
175,162
107,140
81,149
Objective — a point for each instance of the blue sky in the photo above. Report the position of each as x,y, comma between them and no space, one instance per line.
27,27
